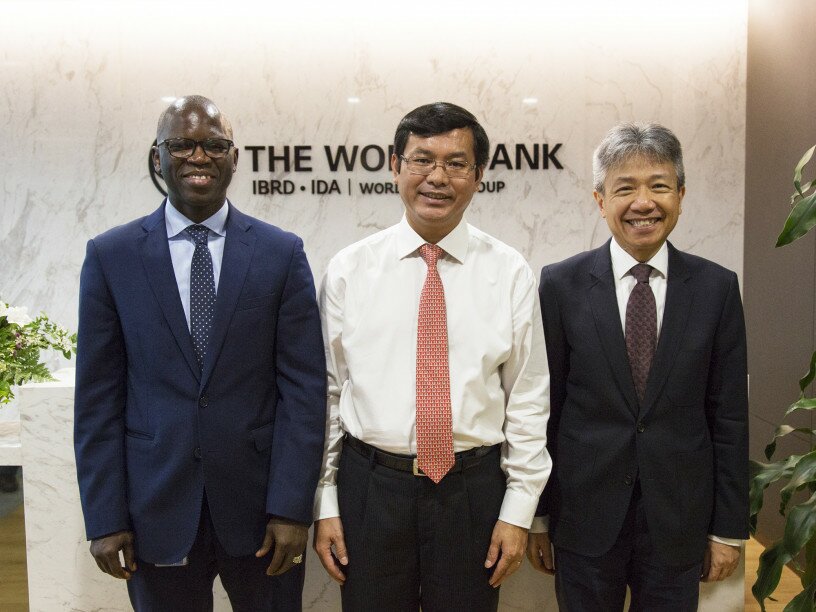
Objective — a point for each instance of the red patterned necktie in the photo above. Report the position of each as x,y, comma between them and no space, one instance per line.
433,405
641,327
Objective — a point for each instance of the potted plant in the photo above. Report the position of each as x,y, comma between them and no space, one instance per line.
797,471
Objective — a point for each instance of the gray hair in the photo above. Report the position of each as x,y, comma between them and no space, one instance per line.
626,140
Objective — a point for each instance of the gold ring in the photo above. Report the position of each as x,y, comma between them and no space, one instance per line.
297,559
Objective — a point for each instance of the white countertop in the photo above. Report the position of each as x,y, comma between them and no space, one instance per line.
10,450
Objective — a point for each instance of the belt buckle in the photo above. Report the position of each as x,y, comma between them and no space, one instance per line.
416,470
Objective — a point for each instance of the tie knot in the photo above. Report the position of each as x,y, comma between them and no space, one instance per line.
641,272
199,233
430,253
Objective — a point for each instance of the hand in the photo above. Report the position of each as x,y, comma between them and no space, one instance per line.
507,546
328,533
539,552
720,561
105,552
289,539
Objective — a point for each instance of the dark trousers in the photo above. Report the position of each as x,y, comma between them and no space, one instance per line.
414,543
188,588
598,584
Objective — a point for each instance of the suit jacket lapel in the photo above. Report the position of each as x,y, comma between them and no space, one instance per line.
239,245
604,304
679,295
159,269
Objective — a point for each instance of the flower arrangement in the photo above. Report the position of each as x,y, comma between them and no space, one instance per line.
21,340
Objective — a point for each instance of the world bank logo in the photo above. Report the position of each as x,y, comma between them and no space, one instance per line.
158,181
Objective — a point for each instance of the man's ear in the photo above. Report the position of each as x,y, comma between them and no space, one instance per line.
156,161
599,198
395,162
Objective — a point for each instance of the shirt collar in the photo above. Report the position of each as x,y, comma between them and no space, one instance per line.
622,261
177,223
454,244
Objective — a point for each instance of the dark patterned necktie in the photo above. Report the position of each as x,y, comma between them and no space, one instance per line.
202,292
433,404
641,327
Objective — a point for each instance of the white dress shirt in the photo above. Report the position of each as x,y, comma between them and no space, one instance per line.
499,379
182,247
622,263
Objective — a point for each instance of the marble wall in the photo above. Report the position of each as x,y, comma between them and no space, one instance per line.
83,83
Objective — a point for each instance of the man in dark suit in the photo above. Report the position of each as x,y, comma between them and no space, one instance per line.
648,433
200,388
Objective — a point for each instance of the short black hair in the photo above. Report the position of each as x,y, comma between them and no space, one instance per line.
438,118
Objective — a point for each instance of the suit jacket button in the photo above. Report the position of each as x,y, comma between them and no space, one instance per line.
641,427
197,454
627,480
203,401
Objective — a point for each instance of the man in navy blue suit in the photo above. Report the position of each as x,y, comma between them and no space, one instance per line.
649,427
200,389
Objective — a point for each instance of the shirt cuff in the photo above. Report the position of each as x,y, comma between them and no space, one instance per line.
729,541
541,524
325,503
518,509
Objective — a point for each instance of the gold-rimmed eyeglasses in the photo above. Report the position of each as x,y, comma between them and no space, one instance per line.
454,168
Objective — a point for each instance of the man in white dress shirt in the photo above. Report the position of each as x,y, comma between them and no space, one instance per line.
437,406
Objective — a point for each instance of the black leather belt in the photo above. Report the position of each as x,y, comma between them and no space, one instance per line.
407,463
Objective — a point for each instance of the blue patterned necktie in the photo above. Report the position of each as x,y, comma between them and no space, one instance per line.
641,327
202,292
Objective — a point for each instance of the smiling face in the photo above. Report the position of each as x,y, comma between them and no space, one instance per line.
435,204
196,186
641,203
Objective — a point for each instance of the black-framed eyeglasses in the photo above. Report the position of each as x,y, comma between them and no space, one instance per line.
454,168
183,148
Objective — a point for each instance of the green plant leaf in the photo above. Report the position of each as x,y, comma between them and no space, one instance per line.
797,172
763,474
805,381
803,403
800,527
803,473
798,196
769,571
810,563
803,602
800,220
784,430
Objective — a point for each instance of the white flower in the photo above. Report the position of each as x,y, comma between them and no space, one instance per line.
3,309
18,315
